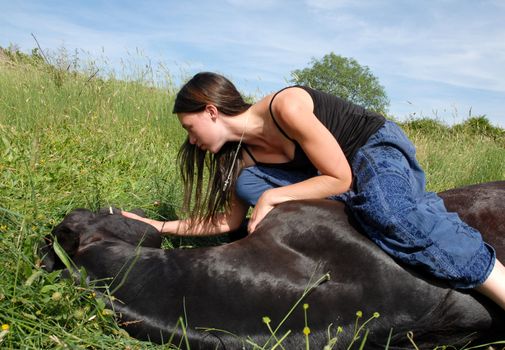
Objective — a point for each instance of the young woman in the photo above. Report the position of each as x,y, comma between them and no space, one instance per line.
301,143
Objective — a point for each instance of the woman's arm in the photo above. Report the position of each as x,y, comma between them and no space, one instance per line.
293,110
225,222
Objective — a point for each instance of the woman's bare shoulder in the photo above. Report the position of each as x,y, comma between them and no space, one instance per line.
292,101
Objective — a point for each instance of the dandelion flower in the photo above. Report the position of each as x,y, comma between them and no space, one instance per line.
5,327
56,296
306,331
79,313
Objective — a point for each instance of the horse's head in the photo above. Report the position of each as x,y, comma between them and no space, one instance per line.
82,228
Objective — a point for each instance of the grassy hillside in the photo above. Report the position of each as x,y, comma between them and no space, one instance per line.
71,139
467,153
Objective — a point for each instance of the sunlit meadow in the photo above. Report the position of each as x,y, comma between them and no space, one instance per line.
74,136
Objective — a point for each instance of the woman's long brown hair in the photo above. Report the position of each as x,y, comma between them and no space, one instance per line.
203,205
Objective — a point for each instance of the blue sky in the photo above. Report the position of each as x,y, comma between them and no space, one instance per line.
434,58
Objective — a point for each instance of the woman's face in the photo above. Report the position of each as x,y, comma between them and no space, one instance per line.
203,130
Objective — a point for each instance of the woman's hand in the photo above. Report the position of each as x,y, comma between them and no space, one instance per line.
261,209
158,225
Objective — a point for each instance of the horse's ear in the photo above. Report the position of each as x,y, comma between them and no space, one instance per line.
69,230
68,237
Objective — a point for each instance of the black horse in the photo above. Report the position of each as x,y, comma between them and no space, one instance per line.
223,293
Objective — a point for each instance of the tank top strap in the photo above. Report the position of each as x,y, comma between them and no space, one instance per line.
272,114
244,146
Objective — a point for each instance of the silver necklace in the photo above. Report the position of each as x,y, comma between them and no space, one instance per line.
227,181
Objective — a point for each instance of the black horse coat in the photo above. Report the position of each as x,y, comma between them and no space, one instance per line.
233,286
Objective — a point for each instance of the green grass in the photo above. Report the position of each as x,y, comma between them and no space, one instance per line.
66,142
71,139
461,155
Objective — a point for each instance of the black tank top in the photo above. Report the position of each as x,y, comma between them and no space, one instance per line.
350,124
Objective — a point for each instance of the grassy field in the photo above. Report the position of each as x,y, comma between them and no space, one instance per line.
72,140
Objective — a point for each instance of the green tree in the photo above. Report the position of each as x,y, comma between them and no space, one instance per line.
345,78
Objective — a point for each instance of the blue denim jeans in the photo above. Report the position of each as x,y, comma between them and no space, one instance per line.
389,201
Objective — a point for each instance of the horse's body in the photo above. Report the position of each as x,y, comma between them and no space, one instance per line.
232,287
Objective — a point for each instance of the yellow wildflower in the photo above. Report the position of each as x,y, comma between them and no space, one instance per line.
56,296
107,312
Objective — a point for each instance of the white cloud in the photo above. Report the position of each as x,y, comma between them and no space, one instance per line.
330,5
256,4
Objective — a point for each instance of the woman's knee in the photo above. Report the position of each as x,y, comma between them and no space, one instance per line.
249,187
437,241
255,180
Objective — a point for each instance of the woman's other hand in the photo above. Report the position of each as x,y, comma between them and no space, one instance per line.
158,225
